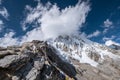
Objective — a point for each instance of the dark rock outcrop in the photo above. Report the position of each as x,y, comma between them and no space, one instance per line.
34,60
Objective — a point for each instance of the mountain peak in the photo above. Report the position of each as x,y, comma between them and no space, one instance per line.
82,49
66,57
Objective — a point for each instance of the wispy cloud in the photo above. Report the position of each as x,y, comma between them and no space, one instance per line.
108,23
8,40
107,26
4,12
94,34
109,38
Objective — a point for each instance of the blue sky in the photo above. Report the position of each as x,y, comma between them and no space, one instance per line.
100,23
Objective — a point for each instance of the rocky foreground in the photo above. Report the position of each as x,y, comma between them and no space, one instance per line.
38,60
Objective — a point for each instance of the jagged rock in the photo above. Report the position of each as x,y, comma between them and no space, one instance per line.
34,61
54,58
13,61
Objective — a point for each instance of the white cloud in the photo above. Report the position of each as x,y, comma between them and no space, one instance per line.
1,22
109,38
107,26
105,30
108,23
94,34
33,14
110,42
4,12
53,22
8,40
35,34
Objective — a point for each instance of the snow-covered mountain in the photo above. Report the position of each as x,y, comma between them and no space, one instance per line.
83,50
64,58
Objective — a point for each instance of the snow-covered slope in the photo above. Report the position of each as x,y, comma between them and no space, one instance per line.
83,50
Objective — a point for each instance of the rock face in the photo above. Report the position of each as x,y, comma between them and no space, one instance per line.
35,60
38,60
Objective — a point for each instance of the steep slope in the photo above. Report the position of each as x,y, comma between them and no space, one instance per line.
34,60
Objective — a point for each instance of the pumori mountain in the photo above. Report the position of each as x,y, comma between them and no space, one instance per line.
64,58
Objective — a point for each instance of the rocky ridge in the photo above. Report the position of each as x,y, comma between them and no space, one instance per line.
62,59
34,60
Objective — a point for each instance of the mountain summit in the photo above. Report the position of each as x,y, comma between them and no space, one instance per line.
64,58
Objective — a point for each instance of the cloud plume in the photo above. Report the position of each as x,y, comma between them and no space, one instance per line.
51,21
94,34
55,22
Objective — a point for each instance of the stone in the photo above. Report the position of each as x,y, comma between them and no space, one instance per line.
34,61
